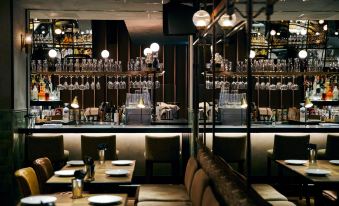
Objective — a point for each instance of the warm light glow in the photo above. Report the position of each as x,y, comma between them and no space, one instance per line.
105,54
75,103
155,47
52,53
278,33
252,54
336,33
321,21
302,54
57,31
273,32
308,103
141,103
243,103
325,27
147,51
317,33
28,39
303,32
227,21
201,19
43,32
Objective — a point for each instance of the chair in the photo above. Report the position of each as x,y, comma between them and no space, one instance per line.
162,150
27,182
331,150
165,192
231,149
287,147
208,198
200,182
51,147
330,197
44,170
89,146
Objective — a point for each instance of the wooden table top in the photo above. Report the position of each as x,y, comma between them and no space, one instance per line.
333,177
99,177
65,199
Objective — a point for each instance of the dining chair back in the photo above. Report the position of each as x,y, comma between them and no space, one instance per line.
231,149
51,147
332,145
27,182
162,150
89,146
44,170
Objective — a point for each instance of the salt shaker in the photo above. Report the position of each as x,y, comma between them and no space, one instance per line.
78,184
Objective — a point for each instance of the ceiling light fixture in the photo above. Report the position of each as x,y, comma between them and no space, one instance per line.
321,21
278,33
336,33
227,21
317,33
201,19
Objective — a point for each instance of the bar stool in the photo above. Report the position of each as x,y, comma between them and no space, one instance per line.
44,170
162,150
27,182
51,147
287,147
231,149
89,146
331,150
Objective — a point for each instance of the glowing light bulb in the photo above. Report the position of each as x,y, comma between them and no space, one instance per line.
57,31
155,47
325,27
227,21
147,51
321,21
105,54
303,32
302,54
201,19
52,53
273,32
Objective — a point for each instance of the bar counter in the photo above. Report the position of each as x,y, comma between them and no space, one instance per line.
108,128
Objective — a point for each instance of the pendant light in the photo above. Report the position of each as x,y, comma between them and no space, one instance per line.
201,19
302,54
227,21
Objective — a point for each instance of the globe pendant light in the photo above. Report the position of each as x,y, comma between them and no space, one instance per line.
147,51
227,21
52,53
201,19
155,47
105,54
302,54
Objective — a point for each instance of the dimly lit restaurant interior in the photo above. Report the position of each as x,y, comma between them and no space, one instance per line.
169,102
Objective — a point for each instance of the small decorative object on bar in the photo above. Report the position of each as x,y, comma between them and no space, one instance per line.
78,184
89,165
75,103
101,152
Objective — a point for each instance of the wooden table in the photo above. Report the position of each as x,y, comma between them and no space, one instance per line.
65,199
99,177
330,181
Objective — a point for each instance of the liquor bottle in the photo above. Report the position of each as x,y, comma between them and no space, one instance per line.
42,87
77,65
302,113
65,113
329,94
33,66
45,66
335,93
34,93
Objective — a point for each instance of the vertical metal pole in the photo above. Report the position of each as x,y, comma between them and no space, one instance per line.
154,116
213,86
196,67
249,90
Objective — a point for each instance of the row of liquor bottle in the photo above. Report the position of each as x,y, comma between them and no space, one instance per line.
83,37
42,90
322,88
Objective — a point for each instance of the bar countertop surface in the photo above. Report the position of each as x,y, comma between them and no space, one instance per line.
108,128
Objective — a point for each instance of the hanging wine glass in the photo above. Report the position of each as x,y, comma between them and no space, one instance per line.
82,86
97,85
60,86
70,86
76,84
